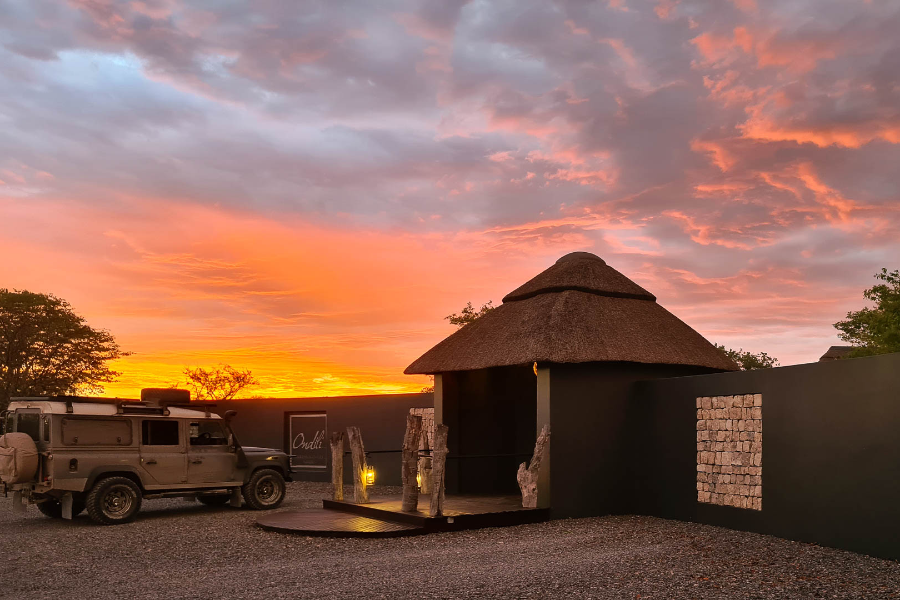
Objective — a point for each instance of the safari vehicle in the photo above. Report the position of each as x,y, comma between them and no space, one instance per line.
67,454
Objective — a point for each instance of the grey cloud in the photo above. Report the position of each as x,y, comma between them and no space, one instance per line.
333,108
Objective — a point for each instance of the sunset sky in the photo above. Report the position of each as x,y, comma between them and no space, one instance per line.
307,189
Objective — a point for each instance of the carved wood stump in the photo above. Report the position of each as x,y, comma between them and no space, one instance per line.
425,463
337,465
438,463
410,466
358,452
528,477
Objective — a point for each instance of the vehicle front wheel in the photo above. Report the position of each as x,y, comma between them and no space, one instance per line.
265,490
114,501
52,507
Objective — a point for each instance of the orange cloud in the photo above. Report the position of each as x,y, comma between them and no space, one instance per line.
719,156
665,8
848,135
311,309
708,234
798,55
715,48
748,6
802,181
771,48
591,178
575,29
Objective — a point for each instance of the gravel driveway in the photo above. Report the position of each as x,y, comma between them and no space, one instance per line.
177,549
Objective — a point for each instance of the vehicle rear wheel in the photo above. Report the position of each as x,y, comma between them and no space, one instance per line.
114,500
265,490
214,499
52,507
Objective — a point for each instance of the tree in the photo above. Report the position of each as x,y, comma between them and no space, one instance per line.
748,361
875,330
46,349
469,314
221,383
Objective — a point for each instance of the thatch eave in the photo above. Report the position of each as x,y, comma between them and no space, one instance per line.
572,326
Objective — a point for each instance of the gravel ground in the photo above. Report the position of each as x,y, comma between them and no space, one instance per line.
177,549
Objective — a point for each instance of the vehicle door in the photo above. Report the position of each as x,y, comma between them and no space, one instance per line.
163,455
212,457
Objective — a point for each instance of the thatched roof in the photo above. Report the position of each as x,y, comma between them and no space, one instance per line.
836,353
578,310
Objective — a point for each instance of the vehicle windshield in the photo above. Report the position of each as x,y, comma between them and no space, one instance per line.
208,433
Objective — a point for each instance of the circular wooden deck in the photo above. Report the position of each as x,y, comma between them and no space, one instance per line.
322,522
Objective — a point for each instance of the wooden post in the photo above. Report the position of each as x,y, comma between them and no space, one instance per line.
360,495
337,465
543,418
425,465
437,465
410,466
528,478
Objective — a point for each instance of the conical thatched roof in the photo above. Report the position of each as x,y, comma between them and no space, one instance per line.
578,310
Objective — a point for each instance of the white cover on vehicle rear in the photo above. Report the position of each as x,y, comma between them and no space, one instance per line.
18,458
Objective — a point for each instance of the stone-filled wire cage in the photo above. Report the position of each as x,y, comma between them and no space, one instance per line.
729,450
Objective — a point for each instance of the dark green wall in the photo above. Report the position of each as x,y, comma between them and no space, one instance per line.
831,452
381,419
624,441
593,429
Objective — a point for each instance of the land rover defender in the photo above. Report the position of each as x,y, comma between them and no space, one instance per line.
67,454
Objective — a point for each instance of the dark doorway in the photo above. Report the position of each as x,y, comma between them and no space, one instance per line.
495,427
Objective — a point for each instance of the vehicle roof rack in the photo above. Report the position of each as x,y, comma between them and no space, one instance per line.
130,406
204,406
70,400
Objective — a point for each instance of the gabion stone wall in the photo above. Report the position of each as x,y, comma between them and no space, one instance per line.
729,450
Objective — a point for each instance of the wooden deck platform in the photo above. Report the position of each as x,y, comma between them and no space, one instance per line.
322,522
382,517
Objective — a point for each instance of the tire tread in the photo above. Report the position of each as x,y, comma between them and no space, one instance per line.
249,489
95,495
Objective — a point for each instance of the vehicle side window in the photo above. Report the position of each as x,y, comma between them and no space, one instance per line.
29,423
159,433
208,433
46,429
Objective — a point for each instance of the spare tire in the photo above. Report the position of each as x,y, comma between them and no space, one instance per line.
18,458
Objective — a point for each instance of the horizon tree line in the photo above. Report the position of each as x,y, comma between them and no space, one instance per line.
47,349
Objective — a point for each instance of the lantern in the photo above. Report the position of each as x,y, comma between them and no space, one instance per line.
370,475
419,480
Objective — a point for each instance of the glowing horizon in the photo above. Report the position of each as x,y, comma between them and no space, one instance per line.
307,194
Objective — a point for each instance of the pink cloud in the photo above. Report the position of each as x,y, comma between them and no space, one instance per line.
223,185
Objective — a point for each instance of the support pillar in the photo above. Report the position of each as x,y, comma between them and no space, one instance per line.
438,399
543,418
